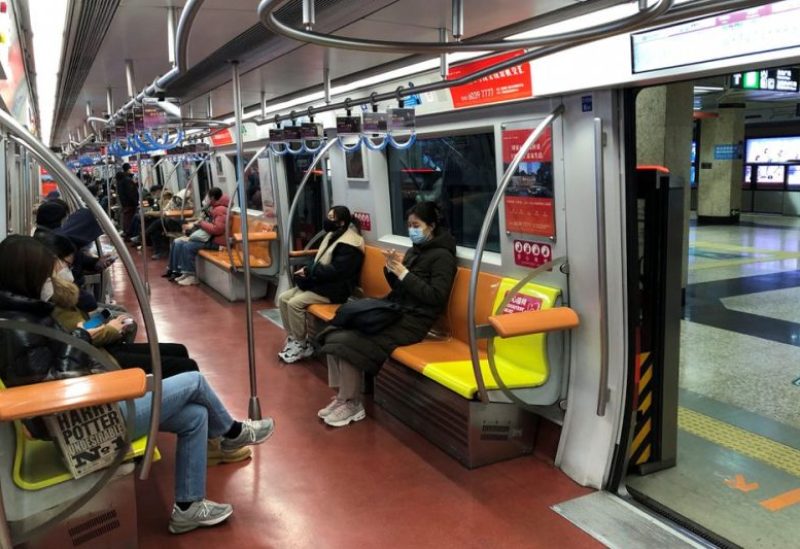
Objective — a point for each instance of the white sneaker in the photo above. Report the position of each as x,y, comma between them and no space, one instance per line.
301,353
346,413
188,280
292,346
326,411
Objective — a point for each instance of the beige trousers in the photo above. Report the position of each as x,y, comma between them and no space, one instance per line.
346,377
293,304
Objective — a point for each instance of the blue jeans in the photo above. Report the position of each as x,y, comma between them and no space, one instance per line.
182,254
191,409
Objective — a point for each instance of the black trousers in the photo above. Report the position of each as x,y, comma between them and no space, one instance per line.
174,358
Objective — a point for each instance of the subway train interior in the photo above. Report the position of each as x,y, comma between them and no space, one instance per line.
400,273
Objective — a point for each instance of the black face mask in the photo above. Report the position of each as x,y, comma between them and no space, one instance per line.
329,225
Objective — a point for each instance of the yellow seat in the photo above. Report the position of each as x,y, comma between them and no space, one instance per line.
521,361
38,463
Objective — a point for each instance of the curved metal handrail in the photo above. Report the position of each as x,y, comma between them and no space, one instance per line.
287,237
69,507
663,12
490,346
57,168
481,245
229,213
267,8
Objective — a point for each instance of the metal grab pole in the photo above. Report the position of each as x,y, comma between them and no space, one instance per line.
483,237
287,237
57,168
253,408
602,286
108,186
142,224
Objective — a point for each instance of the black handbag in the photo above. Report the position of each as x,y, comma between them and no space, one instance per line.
368,315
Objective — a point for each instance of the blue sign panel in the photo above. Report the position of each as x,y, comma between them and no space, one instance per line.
726,152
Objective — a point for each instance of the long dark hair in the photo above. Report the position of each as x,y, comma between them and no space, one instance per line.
25,265
429,213
342,213
60,245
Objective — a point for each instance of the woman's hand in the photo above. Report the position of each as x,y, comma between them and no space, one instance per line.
395,266
117,323
91,331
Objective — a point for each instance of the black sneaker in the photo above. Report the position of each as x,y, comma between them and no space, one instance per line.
171,274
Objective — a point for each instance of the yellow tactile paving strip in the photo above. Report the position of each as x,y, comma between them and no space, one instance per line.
748,444
765,255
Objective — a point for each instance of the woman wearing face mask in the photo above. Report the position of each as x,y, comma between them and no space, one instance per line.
190,408
183,251
421,284
331,278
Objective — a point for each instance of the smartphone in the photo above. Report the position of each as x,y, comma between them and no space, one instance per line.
97,319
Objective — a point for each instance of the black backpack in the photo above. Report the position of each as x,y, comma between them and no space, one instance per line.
368,315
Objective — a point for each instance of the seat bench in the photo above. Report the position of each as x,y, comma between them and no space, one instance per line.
221,269
435,377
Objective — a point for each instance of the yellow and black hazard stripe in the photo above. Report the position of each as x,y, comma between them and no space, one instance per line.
642,446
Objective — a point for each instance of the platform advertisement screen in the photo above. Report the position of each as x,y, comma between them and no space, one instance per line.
770,176
773,150
793,176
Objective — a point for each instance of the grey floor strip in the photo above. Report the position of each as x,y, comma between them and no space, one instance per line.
617,524
273,315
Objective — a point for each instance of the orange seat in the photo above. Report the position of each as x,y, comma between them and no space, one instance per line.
419,355
372,283
260,236
323,311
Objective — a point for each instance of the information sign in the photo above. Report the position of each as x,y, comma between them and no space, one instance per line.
522,303
364,219
531,254
348,124
782,80
374,122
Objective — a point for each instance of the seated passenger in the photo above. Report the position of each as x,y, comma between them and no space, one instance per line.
51,214
421,285
108,336
82,229
149,203
331,278
208,233
190,407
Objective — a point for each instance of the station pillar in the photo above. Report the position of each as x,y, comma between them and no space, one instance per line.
719,191
664,128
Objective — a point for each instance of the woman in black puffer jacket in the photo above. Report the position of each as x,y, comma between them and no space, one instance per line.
421,285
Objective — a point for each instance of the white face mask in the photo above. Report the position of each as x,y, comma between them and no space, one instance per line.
65,274
206,202
47,290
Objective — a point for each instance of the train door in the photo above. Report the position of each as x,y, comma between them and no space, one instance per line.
713,427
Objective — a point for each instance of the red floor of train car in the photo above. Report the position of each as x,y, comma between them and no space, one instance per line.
375,483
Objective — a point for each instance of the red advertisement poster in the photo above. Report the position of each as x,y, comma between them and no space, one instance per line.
504,85
222,138
521,303
529,201
531,254
364,219
540,151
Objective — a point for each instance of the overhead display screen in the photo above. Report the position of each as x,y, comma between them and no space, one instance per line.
761,29
773,150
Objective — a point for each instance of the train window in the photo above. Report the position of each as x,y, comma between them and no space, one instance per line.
311,209
457,172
